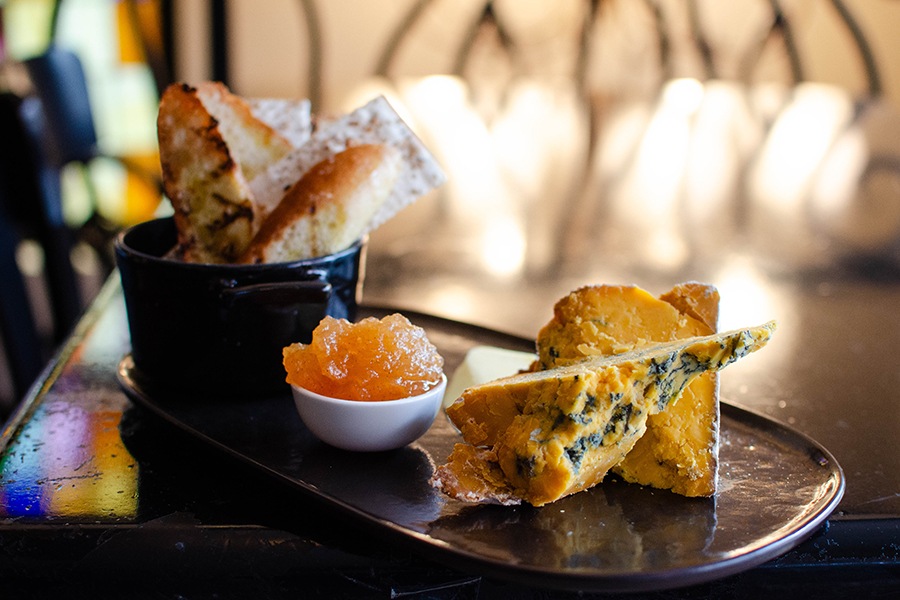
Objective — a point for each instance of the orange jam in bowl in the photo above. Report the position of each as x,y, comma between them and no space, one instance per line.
371,360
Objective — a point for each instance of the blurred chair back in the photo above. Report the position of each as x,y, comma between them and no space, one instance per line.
18,203
42,133
59,82
44,130
21,344
28,211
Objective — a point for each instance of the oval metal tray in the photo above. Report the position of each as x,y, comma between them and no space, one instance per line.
776,487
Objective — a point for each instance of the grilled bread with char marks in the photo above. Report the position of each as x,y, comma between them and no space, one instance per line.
330,207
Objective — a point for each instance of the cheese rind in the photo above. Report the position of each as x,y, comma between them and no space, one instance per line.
472,474
578,420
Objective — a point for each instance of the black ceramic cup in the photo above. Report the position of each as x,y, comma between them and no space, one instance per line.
221,328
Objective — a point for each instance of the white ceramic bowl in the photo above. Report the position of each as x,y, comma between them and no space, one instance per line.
369,426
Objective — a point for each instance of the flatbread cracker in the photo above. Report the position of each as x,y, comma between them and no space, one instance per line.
291,118
374,123
253,143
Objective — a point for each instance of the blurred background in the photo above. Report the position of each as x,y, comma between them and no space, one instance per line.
627,141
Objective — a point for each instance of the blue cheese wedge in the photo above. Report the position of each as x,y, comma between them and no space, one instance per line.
557,431
679,451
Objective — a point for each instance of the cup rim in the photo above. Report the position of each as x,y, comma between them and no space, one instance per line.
121,246
441,384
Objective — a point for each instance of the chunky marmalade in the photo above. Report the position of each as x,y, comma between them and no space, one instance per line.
371,360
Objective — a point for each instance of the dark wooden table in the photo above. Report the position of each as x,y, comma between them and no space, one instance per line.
101,498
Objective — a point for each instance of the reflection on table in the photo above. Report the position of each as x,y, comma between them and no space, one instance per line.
67,461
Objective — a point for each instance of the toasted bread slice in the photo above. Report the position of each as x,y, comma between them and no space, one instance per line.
254,143
374,123
214,211
329,207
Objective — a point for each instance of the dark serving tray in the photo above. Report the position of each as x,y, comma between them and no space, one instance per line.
776,487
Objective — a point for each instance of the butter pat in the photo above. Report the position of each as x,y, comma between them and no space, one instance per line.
483,364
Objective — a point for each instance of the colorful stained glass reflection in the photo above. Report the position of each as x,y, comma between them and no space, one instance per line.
67,462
